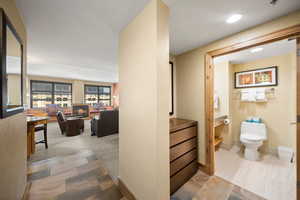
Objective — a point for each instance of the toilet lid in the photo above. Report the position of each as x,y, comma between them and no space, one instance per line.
251,137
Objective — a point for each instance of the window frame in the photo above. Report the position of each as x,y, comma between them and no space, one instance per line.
52,91
98,93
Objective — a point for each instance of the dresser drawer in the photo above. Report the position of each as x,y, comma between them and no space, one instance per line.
183,176
182,135
182,148
183,161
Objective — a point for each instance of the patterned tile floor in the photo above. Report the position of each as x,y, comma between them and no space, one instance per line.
85,168
79,176
204,187
74,168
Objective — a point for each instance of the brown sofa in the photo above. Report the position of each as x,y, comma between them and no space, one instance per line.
106,124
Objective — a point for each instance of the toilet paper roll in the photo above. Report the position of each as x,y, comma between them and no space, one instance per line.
226,121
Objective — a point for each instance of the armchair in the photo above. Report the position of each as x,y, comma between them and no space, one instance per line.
71,125
106,124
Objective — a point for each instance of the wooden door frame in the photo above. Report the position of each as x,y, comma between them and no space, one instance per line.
209,83
298,118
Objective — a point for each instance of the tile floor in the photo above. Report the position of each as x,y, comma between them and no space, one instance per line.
104,148
77,168
204,187
270,178
85,167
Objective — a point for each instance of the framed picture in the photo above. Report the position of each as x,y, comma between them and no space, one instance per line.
263,77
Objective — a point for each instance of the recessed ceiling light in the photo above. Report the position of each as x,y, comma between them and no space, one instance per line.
256,50
234,18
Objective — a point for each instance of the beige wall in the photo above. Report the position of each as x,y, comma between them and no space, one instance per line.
223,76
221,88
190,73
115,94
279,111
77,86
13,131
144,103
14,89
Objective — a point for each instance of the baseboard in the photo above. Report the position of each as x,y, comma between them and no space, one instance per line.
203,168
26,191
125,191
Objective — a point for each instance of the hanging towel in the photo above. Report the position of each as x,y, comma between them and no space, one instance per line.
252,95
216,101
261,94
248,95
244,95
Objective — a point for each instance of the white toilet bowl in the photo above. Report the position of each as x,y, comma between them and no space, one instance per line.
252,136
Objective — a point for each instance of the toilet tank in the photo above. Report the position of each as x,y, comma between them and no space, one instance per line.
257,129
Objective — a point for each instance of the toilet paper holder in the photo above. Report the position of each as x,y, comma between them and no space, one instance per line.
226,121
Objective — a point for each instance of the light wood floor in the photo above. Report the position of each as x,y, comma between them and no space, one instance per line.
270,178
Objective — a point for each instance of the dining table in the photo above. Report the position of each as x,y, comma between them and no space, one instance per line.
32,122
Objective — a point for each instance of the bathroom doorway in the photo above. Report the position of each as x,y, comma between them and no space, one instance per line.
255,119
288,33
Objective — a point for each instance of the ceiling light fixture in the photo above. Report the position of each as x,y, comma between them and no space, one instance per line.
234,18
256,50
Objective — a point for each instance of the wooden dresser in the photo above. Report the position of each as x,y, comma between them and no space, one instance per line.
183,152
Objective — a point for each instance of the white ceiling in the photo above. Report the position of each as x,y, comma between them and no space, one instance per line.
268,50
198,22
76,38
79,39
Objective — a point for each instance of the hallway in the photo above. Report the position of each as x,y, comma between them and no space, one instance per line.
80,167
77,176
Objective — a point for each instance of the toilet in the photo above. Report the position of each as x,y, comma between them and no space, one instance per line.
252,136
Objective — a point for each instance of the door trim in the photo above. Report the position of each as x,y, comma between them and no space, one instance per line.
209,80
298,118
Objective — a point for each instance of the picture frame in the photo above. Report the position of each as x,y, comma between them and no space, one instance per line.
263,77
9,107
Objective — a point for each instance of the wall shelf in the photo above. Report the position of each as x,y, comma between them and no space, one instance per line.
218,141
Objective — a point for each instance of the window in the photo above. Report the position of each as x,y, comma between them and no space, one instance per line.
97,95
43,93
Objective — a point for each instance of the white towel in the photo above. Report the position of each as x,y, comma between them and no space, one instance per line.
252,95
248,95
244,95
216,101
261,94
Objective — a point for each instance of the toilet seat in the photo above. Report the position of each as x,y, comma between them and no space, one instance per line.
252,137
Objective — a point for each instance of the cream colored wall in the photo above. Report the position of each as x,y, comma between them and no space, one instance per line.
144,103
279,112
223,88
77,86
14,89
190,73
13,138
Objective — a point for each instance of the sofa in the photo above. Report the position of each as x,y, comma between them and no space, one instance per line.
107,123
